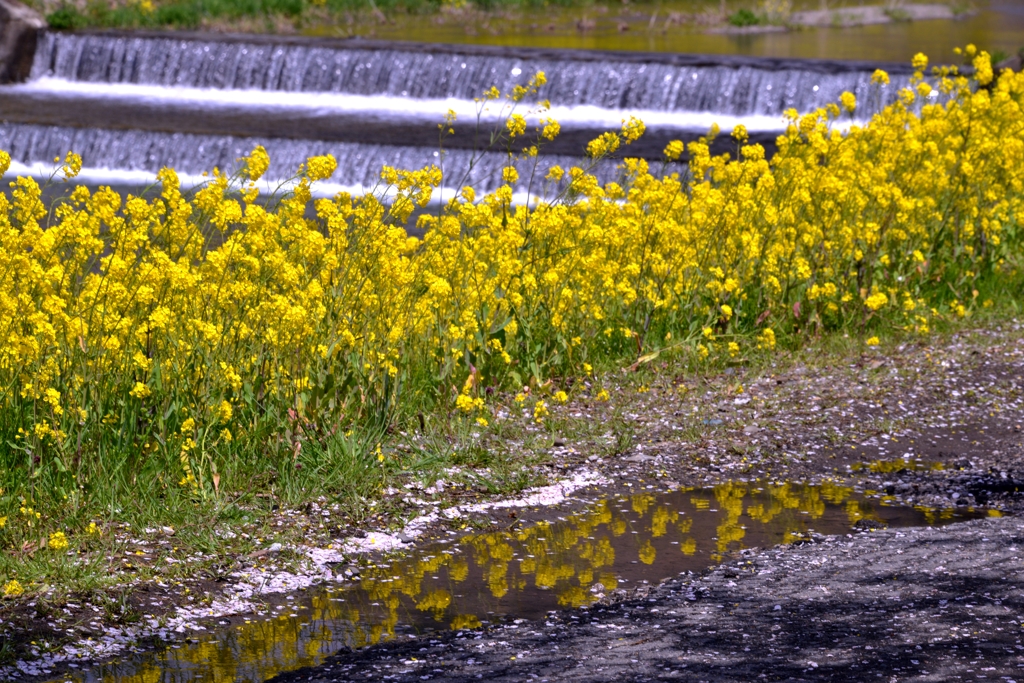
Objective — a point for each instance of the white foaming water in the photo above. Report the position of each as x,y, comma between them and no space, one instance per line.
386,108
118,100
98,177
619,81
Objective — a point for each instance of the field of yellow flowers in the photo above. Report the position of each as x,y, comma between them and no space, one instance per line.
187,344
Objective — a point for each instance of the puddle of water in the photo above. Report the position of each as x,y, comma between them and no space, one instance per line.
619,542
898,465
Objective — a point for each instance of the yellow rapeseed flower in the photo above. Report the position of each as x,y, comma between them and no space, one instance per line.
876,301
72,165
321,167
549,132
516,125
673,150
257,163
58,541
140,390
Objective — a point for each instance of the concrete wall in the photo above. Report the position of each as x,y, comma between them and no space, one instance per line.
19,31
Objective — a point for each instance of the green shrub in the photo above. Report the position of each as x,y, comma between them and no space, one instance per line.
65,18
744,17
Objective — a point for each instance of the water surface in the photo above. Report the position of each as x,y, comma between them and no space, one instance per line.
620,542
998,25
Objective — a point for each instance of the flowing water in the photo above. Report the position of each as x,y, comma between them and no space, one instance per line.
520,572
131,104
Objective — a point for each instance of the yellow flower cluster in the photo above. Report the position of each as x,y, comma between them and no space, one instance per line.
201,326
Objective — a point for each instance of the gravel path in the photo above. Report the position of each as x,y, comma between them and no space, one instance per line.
923,604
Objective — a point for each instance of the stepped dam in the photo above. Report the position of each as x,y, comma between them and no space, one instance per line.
132,103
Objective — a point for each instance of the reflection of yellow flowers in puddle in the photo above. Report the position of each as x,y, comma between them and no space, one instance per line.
660,519
566,557
574,596
834,493
897,465
574,559
548,575
853,511
609,582
729,532
435,601
462,621
792,537
730,498
647,552
497,579
641,503
458,569
604,553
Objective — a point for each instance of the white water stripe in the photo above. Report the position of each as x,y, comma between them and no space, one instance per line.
96,177
377,107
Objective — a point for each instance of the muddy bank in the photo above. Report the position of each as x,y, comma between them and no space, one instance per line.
909,605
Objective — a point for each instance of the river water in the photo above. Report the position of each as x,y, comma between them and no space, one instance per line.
996,25
133,103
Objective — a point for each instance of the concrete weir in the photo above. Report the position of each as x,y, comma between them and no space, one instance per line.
134,102
19,34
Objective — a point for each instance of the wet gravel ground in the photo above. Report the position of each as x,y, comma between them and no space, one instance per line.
924,604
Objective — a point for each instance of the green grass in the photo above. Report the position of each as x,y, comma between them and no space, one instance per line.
190,14
344,470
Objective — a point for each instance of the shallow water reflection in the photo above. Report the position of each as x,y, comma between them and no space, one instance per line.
998,25
898,466
615,543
